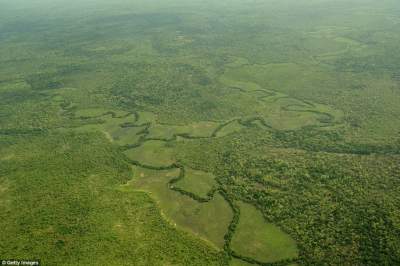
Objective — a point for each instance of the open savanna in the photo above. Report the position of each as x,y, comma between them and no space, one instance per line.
208,220
255,238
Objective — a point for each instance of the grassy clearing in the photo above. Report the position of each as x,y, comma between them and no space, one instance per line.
153,152
200,129
146,117
283,120
281,111
285,113
114,123
236,61
232,127
231,81
238,262
165,131
363,101
111,128
256,238
197,182
4,196
128,135
95,112
206,220
260,125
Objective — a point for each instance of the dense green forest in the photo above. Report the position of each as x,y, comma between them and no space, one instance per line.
254,132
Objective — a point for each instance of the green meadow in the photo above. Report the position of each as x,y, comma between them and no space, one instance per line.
154,152
208,220
238,262
256,238
197,182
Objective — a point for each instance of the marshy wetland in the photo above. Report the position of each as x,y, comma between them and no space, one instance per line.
200,132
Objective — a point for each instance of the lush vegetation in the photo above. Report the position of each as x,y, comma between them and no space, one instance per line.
200,132
256,239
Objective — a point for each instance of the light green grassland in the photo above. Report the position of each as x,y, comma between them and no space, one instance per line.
232,127
96,112
146,117
111,126
153,152
340,96
197,182
207,220
166,131
258,239
128,135
200,129
280,110
238,262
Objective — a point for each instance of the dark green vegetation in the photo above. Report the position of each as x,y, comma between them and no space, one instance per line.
200,132
65,205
